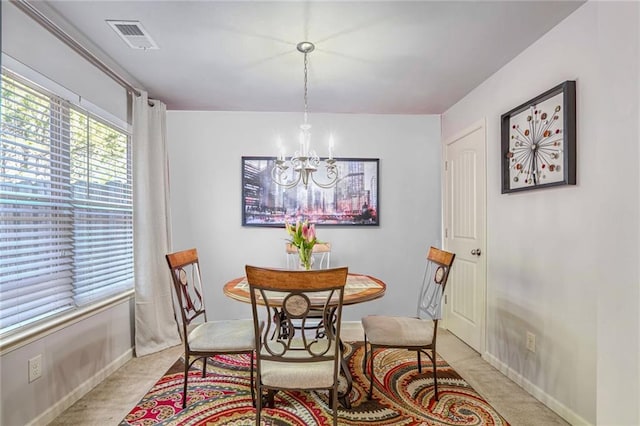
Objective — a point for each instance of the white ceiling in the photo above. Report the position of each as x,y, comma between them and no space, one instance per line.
385,57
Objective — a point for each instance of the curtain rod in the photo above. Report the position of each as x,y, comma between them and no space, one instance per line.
54,29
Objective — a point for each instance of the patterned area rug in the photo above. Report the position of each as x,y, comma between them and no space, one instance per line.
401,396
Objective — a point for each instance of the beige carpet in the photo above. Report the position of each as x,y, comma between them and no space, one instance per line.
112,400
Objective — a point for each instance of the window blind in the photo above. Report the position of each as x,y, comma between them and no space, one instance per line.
66,218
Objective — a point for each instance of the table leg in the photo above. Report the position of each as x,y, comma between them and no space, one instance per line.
344,397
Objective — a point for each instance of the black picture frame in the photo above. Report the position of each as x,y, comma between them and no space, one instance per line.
354,201
538,141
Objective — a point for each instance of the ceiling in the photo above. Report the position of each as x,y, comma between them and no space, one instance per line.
380,57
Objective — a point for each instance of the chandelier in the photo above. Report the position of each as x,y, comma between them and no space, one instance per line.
304,163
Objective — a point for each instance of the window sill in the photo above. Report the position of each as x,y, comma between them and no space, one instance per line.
15,340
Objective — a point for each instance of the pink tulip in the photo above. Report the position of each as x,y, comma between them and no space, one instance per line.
305,230
312,233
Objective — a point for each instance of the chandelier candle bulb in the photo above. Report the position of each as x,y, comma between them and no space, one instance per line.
281,149
330,147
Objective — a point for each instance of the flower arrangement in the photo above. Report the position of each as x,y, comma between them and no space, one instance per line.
303,236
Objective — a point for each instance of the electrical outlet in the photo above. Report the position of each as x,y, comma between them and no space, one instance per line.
35,368
531,341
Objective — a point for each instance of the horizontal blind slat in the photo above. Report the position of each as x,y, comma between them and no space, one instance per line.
26,274
60,286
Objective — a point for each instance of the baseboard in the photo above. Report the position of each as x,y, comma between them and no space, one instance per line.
58,408
552,403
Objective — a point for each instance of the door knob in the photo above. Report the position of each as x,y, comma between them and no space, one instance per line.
476,252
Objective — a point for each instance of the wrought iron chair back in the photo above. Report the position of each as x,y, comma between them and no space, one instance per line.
202,338
291,357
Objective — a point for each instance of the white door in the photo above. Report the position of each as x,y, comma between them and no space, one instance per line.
464,234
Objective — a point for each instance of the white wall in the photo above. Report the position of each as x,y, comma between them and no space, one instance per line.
205,150
26,41
563,262
74,360
76,357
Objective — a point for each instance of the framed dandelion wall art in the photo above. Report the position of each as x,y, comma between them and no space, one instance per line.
539,141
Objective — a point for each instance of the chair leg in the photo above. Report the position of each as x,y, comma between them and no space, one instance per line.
186,375
333,395
253,391
365,354
419,362
258,403
271,398
204,367
372,375
435,374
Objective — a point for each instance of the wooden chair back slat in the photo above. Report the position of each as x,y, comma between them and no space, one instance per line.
271,279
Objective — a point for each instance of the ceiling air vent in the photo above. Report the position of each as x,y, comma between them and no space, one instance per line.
134,34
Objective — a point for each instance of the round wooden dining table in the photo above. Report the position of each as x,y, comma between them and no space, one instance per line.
359,288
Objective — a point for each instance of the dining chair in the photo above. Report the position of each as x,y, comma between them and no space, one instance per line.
203,338
412,333
321,255
297,360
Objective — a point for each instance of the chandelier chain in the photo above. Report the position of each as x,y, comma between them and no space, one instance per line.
306,108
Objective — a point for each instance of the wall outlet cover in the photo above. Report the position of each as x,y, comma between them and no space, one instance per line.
35,368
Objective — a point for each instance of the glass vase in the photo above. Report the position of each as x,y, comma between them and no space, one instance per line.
306,260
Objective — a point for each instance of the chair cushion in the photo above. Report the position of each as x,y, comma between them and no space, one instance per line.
297,375
397,331
222,336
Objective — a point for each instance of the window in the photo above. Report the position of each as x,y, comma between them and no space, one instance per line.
66,217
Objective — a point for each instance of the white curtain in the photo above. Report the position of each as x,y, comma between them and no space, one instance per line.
155,324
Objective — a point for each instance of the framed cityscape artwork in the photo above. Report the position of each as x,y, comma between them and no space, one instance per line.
353,201
539,141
